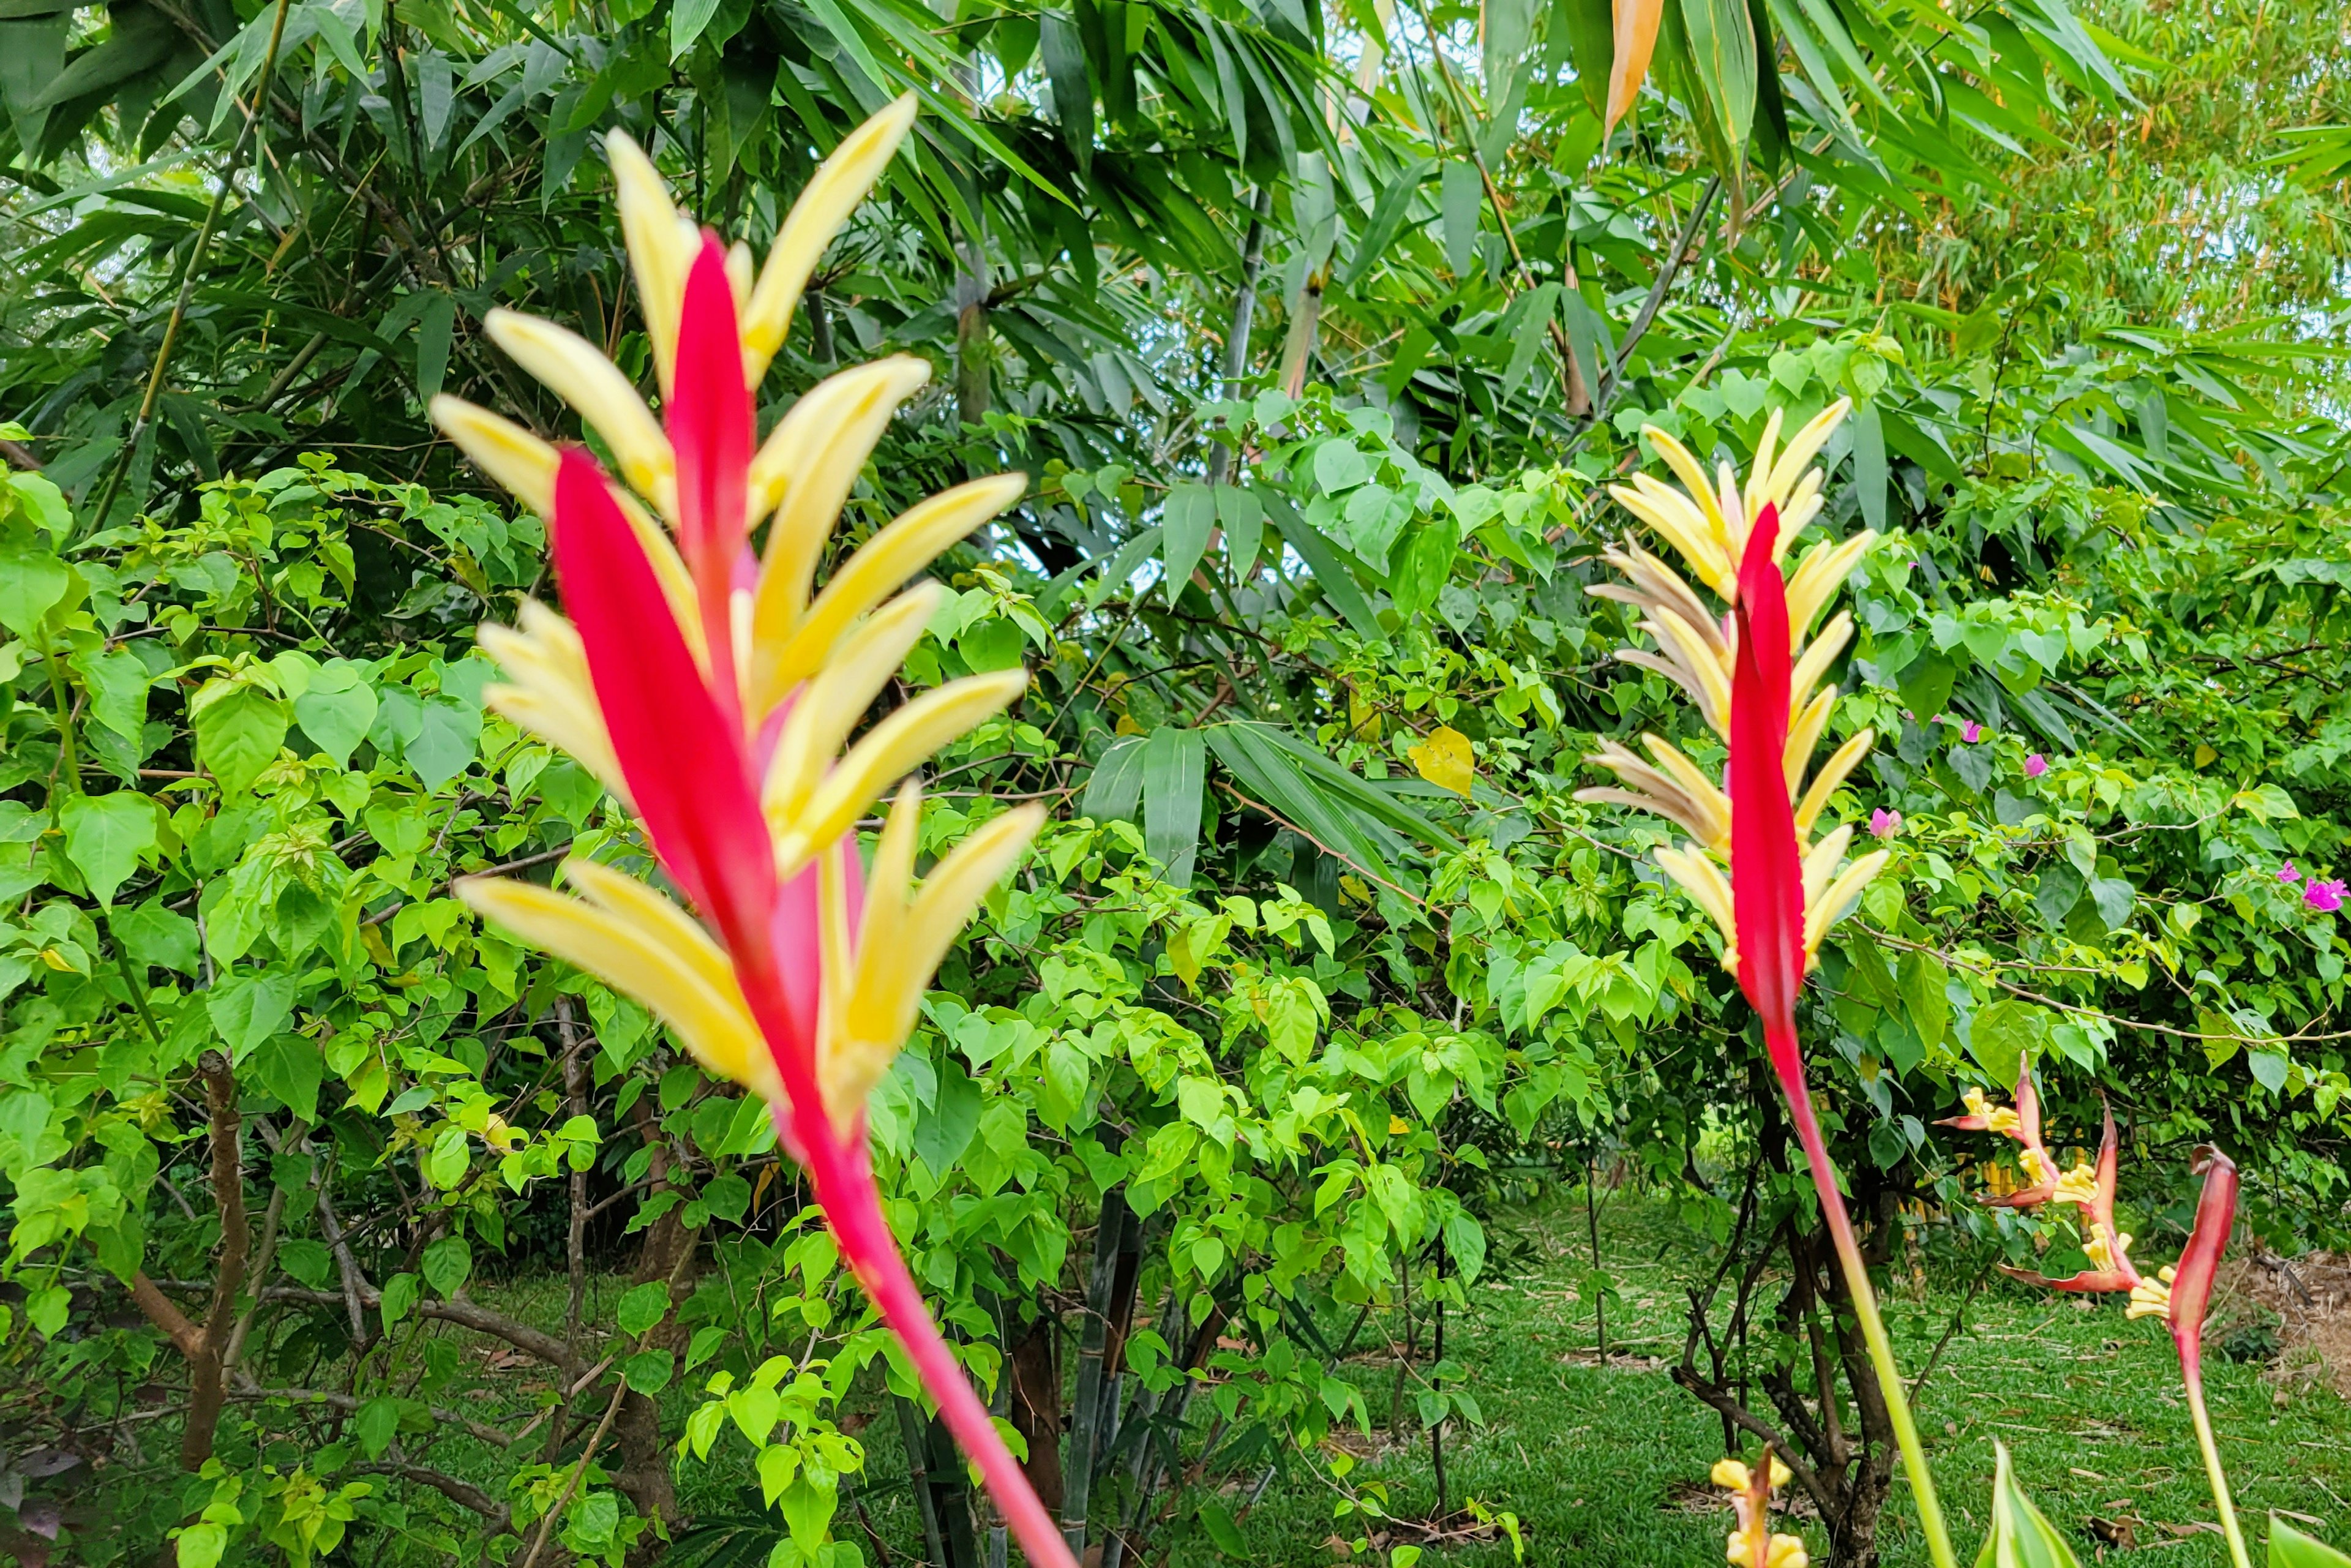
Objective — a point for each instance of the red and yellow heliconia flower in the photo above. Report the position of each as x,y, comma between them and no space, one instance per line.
714,690
1758,671
2022,1124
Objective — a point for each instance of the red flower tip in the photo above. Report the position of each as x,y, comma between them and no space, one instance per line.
1767,870
2216,1213
709,420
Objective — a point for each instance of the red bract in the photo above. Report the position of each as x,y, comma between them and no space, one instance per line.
682,756
1767,866
709,426
2191,1284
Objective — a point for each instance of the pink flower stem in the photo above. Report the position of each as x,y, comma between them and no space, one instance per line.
2191,1374
845,1190
1789,1064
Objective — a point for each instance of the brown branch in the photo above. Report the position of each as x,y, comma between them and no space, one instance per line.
351,1403
160,1310
464,1314
465,1494
236,1239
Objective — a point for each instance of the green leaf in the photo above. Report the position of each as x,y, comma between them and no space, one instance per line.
1074,93
1722,56
1190,515
447,1263
117,682
1243,517
648,1372
1115,785
33,580
2002,1035
444,747
248,1008
400,1295
2020,1536
1174,768
1869,473
688,21
337,709
1922,982
948,1126
376,1424
239,728
2290,1547
1331,574
435,325
154,935
105,835
644,1307
1460,195
291,1066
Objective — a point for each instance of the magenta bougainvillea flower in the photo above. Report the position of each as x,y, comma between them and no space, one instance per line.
1970,731
2326,897
2035,766
1761,685
1885,824
2286,872
715,692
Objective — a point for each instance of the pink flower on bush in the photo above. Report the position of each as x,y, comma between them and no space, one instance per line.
2326,897
2287,873
2035,766
1885,824
1970,731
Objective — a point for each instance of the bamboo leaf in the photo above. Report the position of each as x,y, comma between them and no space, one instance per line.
1636,38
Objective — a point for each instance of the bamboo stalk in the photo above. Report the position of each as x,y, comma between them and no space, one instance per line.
1085,1417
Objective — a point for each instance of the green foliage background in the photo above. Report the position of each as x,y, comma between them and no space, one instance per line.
1319,334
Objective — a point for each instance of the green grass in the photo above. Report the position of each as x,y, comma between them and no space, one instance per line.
1606,1465
1601,1464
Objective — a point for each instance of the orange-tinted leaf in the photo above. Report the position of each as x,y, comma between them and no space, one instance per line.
1636,36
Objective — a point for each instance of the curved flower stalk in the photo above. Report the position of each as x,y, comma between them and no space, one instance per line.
715,691
2179,1294
1752,863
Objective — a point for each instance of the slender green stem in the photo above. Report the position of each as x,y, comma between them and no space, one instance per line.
2191,1372
1873,1328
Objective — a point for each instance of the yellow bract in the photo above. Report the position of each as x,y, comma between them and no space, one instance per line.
2152,1297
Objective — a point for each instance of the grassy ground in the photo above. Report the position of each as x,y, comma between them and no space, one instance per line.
1606,1465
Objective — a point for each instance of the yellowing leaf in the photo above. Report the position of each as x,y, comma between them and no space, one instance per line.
1636,36
1444,761
2205,754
